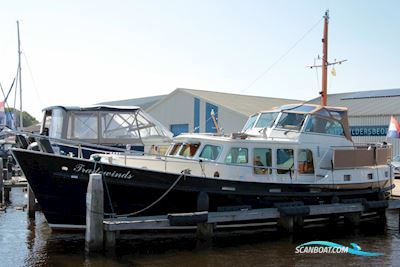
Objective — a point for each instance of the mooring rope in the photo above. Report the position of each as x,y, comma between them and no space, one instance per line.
183,174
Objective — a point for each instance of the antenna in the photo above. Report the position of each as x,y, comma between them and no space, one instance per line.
325,62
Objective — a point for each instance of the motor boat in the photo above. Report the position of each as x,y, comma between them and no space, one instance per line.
298,152
105,127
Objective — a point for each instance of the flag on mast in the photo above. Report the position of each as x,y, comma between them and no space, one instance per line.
394,128
2,114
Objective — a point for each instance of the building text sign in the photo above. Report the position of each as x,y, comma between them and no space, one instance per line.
368,130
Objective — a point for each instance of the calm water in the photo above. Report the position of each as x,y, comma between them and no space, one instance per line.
31,243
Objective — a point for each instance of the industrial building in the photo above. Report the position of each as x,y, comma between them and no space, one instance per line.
369,114
188,110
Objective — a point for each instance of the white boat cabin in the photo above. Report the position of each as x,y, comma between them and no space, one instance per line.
303,144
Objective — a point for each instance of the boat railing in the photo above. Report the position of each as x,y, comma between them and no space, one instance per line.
353,157
49,144
339,157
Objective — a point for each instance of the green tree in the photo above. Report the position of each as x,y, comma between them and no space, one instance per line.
27,118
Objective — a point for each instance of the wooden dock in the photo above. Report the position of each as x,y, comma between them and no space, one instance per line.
191,219
7,182
289,217
396,189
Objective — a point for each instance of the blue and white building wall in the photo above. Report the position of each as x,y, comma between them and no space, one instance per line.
182,112
373,129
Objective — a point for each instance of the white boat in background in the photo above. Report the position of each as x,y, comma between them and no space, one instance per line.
112,128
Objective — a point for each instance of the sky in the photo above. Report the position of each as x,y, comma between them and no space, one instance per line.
80,52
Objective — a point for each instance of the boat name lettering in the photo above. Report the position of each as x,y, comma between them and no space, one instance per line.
81,168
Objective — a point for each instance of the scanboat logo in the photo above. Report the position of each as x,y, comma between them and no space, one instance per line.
325,247
114,174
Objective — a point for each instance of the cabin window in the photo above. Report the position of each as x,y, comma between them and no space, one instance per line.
118,126
325,126
82,126
250,122
292,121
305,161
210,152
54,123
174,149
284,160
262,159
189,150
266,119
237,155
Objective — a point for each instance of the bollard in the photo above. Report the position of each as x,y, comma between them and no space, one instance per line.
94,214
31,203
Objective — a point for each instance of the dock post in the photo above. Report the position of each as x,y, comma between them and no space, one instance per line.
352,218
110,240
9,167
94,214
298,222
204,232
31,203
286,223
6,195
1,182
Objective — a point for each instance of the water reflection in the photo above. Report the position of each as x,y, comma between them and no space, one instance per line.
25,242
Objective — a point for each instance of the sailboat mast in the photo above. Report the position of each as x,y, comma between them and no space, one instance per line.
21,124
325,61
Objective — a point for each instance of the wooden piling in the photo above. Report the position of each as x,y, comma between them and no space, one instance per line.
110,237
204,232
9,167
94,214
31,203
6,195
1,183
286,223
352,218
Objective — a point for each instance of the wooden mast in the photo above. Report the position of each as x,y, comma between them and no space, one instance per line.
325,61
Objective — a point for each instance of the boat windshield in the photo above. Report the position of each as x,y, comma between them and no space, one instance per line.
250,122
292,121
322,125
53,123
267,119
